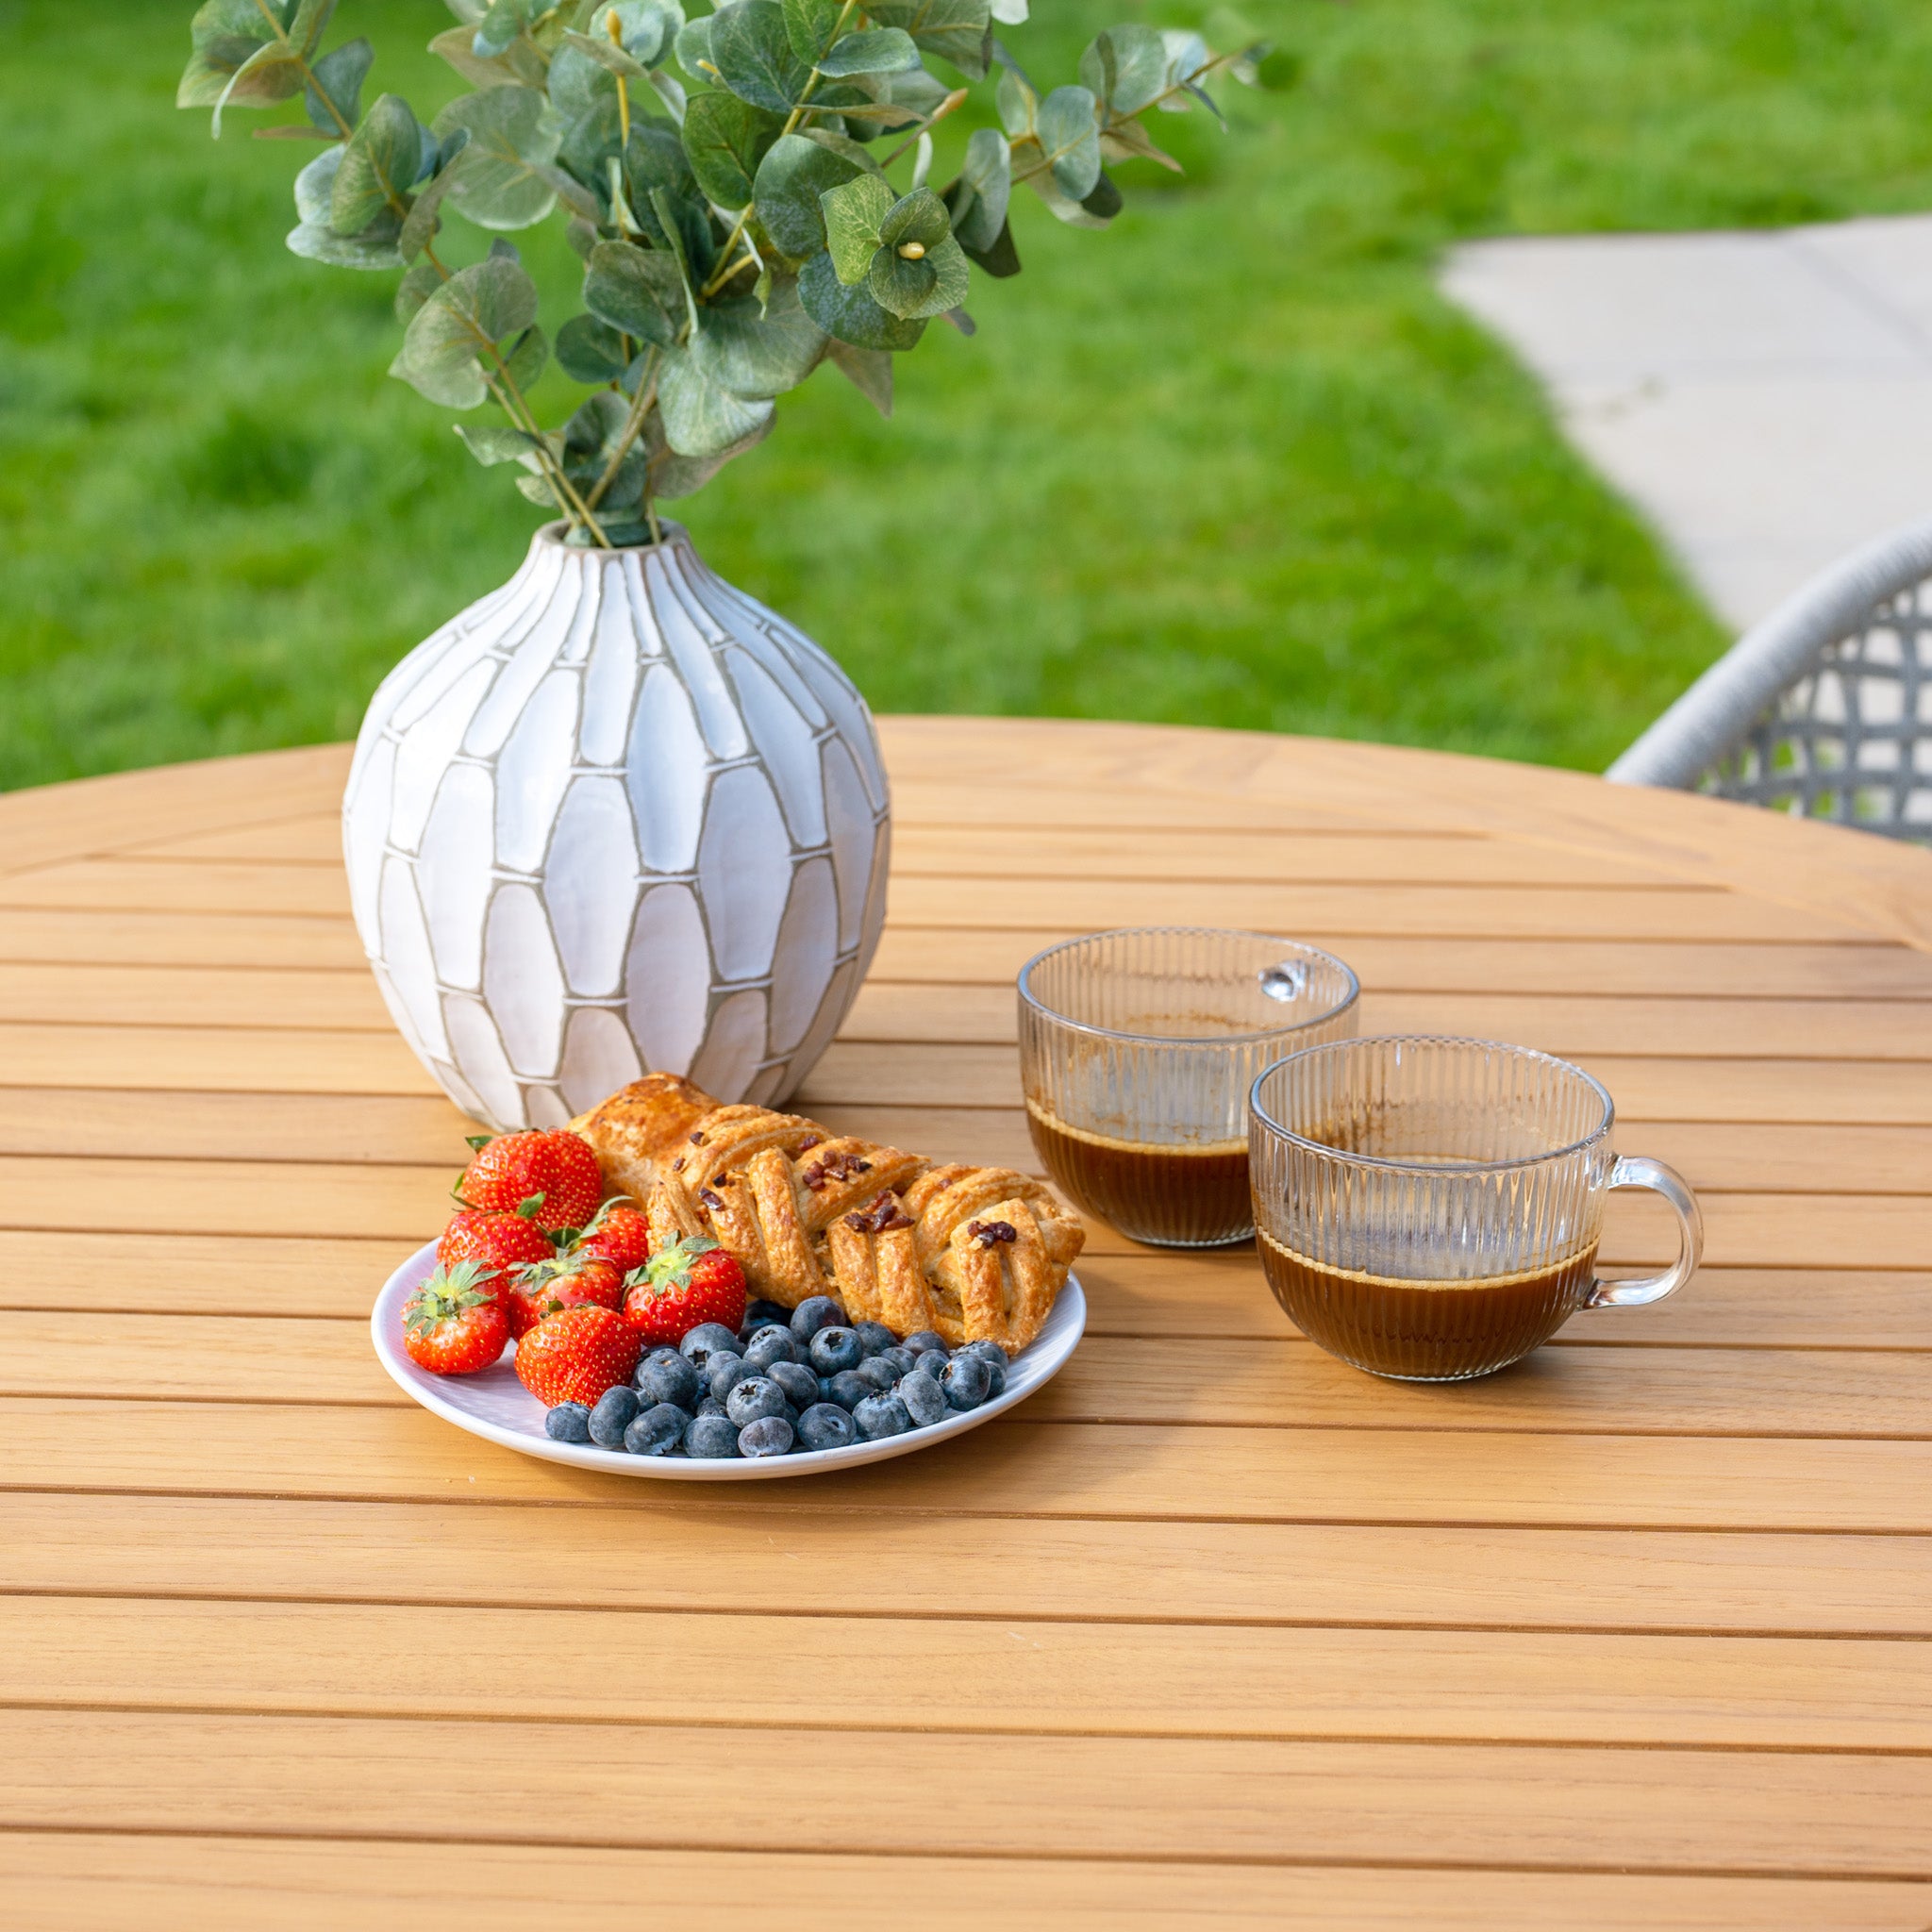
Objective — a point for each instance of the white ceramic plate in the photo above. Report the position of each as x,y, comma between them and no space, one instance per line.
496,1405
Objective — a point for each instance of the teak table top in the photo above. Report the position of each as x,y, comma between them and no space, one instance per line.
1215,1631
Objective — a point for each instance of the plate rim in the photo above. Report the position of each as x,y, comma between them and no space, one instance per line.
414,1381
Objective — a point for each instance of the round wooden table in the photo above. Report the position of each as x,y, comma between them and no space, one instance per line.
1215,1631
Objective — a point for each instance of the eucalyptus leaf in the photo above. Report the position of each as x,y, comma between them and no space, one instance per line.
914,290
869,371
1070,138
853,216
666,198
591,440
1000,257
373,248
919,218
760,354
608,56
636,290
753,55
791,178
878,50
590,350
693,48
1018,104
527,357
503,21
419,229
648,28
668,90
702,418
492,443
339,77
1126,67
505,179
1187,55
1128,140
954,30
980,197
415,288
308,24
270,74
724,140
452,339
522,66
850,313
673,476
810,25
379,161
315,186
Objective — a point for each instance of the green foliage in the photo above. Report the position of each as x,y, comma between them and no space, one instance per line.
731,238
1237,463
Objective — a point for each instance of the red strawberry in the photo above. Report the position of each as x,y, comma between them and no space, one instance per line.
620,1233
454,1323
692,1281
556,1172
500,1242
564,1281
576,1355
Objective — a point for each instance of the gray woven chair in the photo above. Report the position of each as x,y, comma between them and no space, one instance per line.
1824,709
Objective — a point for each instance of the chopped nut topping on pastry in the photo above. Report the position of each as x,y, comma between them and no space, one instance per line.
833,1167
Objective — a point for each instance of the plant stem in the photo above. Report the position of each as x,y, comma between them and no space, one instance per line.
634,427
791,127
954,100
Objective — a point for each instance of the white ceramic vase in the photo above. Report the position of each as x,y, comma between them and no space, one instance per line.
616,817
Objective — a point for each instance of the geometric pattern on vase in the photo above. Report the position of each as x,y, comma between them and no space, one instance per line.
616,817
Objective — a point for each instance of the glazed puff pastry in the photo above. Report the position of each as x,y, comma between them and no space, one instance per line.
972,1253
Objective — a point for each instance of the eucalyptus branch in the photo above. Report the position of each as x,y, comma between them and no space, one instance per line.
952,104
645,401
791,121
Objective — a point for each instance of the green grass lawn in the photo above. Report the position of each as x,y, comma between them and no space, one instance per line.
1233,462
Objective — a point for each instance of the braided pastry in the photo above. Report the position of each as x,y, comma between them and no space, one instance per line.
972,1253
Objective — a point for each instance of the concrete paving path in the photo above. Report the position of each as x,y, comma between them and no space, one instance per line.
1765,397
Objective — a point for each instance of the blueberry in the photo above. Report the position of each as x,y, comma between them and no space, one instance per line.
712,1438
569,1422
666,1376
709,1404
800,1386
926,1341
848,1388
873,1336
824,1387
724,1371
762,1314
707,1340
923,1401
878,1374
833,1349
814,1312
615,1411
755,1397
967,1381
825,1426
879,1416
771,1345
657,1431
770,1435
994,1356
901,1358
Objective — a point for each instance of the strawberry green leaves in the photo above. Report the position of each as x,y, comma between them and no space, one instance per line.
452,342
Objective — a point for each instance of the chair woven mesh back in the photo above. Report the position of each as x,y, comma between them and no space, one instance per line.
1852,739
1824,709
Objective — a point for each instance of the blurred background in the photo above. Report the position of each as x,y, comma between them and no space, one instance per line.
1237,461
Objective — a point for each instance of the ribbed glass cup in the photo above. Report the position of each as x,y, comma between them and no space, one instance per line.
1429,1208
1137,1050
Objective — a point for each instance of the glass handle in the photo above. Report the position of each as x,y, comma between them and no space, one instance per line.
1636,1171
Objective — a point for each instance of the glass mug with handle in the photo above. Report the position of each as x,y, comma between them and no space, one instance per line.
1137,1051
1429,1208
